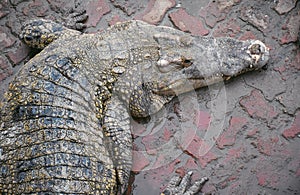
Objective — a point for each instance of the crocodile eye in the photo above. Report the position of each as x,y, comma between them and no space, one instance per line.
187,62
28,38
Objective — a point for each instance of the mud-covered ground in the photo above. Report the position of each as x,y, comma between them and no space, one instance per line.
254,118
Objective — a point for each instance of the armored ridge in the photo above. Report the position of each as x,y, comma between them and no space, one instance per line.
64,124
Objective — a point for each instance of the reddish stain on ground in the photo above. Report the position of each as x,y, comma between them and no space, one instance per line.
267,146
115,19
294,129
202,120
266,178
191,164
162,171
5,68
167,134
280,69
207,158
233,153
188,23
247,35
298,173
194,149
252,132
256,106
228,137
292,29
6,40
216,11
95,10
139,161
150,143
228,181
156,10
228,29
296,61
19,54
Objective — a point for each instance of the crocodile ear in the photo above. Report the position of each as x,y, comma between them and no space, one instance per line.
167,38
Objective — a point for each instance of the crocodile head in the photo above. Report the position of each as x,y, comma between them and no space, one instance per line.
187,62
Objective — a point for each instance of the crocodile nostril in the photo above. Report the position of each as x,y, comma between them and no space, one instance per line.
255,49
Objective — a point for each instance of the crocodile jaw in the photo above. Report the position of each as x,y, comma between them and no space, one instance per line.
252,55
185,85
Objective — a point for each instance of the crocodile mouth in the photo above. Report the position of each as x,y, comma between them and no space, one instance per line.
184,85
192,77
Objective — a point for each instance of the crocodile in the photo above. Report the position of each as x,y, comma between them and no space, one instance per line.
65,118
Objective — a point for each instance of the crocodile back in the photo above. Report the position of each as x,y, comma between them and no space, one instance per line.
50,138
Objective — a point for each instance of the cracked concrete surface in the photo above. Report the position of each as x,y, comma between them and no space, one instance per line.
257,151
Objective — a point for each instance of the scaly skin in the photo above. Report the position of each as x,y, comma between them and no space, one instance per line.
65,124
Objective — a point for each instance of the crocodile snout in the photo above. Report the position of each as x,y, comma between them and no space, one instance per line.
259,53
